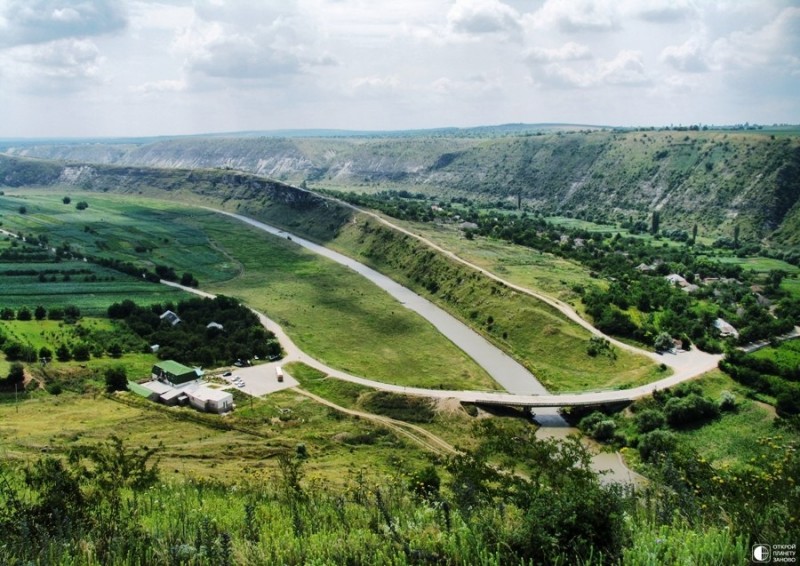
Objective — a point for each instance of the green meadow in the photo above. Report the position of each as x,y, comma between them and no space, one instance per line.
549,344
529,268
332,313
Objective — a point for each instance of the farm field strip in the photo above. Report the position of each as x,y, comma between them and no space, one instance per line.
314,298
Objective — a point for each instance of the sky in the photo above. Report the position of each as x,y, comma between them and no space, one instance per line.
77,68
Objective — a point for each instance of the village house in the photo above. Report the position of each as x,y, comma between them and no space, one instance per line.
173,373
170,317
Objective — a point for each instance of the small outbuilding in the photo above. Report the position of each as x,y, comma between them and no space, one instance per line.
170,317
210,400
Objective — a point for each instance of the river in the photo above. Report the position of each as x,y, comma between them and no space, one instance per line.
503,369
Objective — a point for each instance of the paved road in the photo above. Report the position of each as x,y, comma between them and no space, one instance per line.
691,365
685,365
505,370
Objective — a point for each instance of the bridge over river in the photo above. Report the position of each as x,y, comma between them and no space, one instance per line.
523,390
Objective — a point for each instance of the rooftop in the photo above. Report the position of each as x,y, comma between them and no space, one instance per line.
173,367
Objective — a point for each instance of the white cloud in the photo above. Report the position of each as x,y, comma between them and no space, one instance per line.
770,47
570,51
254,42
577,16
689,57
163,65
160,86
374,86
66,65
663,11
482,17
39,21
626,69
468,86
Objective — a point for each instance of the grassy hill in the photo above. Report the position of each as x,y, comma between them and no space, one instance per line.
715,178
549,345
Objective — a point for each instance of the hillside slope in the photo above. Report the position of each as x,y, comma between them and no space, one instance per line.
537,335
713,178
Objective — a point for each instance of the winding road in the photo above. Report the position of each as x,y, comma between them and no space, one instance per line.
686,365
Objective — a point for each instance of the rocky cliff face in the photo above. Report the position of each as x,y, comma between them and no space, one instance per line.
715,179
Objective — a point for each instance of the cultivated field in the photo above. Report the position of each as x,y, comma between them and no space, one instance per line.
332,313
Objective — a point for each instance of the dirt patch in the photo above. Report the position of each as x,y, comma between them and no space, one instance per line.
449,406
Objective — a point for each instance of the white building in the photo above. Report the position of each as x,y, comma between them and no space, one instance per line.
725,328
211,400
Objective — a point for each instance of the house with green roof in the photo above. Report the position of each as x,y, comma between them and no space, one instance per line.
174,373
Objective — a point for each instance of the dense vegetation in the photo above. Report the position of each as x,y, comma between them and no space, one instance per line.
107,504
640,303
210,332
774,372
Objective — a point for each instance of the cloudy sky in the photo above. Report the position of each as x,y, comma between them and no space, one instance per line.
141,67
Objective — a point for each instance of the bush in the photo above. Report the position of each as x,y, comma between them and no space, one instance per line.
663,342
54,388
16,374
588,422
656,443
116,379
403,407
604,430
681,411
727,402
63,354
425,482
788,402
650,420
81,352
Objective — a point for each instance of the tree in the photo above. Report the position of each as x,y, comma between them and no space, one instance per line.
81,352
16,374
736,236
63,354
66,200
116,379
55,313
23,210
663,342
40,313
115,350
71,313
188,280
694,234
656,443
7,314
24,313
82,205
13,351
649,420
45,354
655,223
